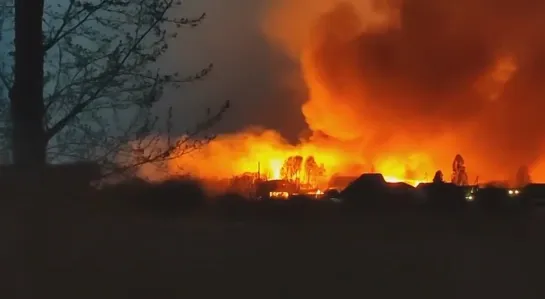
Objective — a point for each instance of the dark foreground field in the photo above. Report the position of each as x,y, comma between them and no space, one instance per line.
98,253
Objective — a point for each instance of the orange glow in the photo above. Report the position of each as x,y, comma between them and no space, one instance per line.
273,168
279,195
246,152
398,89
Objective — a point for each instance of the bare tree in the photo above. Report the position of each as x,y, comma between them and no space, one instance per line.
85,80
313,171
26,106
291,168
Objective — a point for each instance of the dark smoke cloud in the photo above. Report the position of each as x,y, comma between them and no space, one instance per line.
422,74
261,83
420,77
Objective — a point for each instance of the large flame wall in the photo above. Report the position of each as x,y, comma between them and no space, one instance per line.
437,76
403,86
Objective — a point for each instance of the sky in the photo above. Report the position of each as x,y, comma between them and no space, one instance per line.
447,76
262,83
442,76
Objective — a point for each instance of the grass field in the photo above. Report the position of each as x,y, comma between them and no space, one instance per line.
92,252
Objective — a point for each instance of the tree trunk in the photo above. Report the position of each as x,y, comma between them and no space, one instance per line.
27,106
29,145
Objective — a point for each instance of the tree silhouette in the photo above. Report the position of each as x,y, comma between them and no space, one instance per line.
459,173
438,177
27,106
84,81
292,168
523,176
312,170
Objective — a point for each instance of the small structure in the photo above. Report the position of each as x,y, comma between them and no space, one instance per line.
275,189
339,182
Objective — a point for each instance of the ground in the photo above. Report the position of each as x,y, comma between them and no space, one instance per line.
379,255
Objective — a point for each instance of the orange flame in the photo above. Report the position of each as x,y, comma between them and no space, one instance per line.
235,154
354,97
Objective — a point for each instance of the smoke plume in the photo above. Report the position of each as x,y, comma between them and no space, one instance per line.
399,86
442,76
261,82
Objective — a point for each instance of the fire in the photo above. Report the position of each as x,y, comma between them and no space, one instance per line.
274,168
406,77
400,88
266,152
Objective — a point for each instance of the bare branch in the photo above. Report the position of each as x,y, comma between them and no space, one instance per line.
79,107
101,83
61,33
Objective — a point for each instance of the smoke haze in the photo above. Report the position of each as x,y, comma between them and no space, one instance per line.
387,76
259,80
423,70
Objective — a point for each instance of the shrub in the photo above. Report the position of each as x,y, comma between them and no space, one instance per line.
234,206
180,195
167,197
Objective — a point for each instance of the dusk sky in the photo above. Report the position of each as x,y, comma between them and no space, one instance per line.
439,76
263,84
392,74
